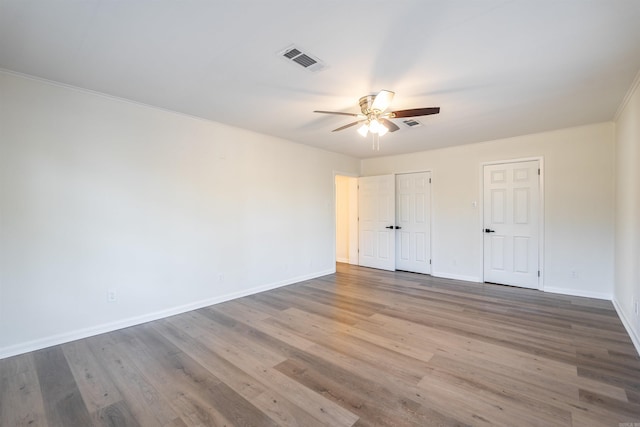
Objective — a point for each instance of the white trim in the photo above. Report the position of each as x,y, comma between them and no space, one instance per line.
540,160
41,343
413,171
627,97
541,225
517,160
578,293
457,277
354,238
343,260
635,339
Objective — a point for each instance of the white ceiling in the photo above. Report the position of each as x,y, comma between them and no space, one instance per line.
496,68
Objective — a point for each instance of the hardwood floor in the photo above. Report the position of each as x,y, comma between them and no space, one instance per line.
358,348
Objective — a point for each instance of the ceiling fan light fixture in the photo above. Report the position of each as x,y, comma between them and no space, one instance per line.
376,120
374,126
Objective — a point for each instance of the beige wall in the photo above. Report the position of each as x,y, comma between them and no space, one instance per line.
174,212
578,177
627,266
169,211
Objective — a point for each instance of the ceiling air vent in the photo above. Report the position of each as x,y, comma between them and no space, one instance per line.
411,123
303,59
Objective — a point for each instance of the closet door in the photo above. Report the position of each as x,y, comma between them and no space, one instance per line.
413,224
376,225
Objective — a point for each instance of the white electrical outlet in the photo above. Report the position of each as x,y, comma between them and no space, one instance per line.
635,306
111,295
574,274
221,277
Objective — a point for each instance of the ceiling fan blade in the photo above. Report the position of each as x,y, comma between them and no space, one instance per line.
382,100
416,112
339,113
389,125
346,126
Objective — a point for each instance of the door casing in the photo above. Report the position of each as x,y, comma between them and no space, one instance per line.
540,160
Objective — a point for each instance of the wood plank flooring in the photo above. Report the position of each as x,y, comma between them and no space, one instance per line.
361,347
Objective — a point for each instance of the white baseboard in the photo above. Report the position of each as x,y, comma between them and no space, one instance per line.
343,260
563,291
41,343
456,277
635,339
578,293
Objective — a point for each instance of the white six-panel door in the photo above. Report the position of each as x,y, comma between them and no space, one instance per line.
511,223
376,211
413,240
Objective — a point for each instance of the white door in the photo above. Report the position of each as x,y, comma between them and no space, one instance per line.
511,223
376,210
413,240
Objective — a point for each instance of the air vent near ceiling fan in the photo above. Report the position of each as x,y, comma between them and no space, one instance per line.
305,60
411,123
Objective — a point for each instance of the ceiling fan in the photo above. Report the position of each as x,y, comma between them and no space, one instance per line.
375,119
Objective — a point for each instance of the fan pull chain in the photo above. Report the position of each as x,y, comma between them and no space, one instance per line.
375,142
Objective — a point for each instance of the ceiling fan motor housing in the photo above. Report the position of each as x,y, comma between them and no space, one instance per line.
365,103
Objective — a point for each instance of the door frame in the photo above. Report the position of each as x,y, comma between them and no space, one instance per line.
540,160
335,225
